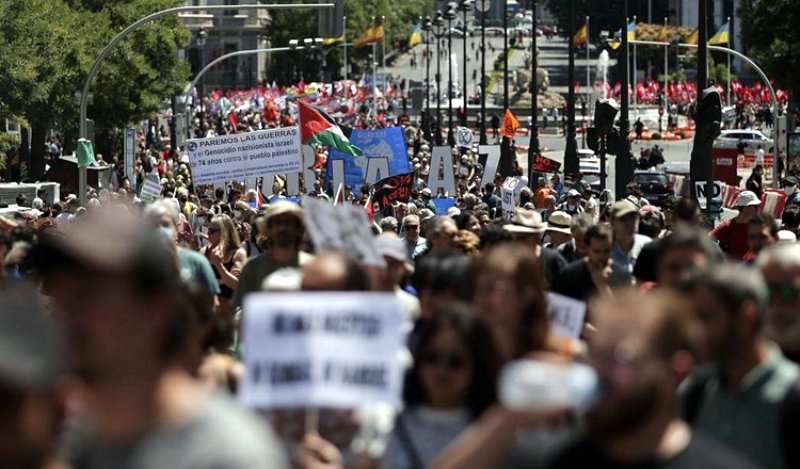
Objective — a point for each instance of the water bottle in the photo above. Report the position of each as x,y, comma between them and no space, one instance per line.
530,385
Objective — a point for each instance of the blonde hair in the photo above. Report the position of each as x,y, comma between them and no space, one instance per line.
228,236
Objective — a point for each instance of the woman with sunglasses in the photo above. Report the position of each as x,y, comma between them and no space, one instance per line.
451,383
227,258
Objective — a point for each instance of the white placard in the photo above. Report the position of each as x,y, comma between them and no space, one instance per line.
151,190
464,137
236,157
492,153
566,315
700,190
342,228
510,186
307,349
130,153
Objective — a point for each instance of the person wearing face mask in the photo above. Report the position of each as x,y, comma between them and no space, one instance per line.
164,215
790,189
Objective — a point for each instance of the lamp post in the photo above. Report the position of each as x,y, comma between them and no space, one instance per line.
428,27
484,6
505,55
450,15
200,40
622,163
533,146
438,33
466,6
571,152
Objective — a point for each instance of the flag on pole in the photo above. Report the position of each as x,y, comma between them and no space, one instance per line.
582,36
663,33
722,36
632,31
377,33
693,38
317,127
510,125
339,198
366,36
416,35
332,40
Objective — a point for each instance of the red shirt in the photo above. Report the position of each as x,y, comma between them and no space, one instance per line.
732,238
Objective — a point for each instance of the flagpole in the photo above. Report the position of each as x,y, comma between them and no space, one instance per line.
729,61
383,55
635,77
344,32
588,58
374,73
666,75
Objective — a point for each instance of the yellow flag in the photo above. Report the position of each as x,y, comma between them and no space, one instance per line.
693,38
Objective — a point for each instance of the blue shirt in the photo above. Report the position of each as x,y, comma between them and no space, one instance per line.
627,260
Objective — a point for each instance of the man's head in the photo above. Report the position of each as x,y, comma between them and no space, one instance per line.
747,204
441,235
599,241
624,221
113,280
573,198
21,200
489,188
790,184
550,203
580,224
163,216
780,266
411,227
730,300
791,218
559,228
284,224
762,231
645,346
681,254
333,271
394,253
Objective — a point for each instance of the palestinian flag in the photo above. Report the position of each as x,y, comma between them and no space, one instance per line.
318,127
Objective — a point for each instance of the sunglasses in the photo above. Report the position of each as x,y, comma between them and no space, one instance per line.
783,293
213,230
448,360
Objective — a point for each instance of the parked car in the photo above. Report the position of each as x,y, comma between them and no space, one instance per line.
589,162
752,139
655,185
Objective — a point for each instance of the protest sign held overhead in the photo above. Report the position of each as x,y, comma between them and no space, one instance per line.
151,189
393,189
442,174
543,164
489,157
240,156
566,315
342,228
384,154
335,350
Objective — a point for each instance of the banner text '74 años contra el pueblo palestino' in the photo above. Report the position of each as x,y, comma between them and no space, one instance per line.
240,156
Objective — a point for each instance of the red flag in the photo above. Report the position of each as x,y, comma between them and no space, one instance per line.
233,119
370,210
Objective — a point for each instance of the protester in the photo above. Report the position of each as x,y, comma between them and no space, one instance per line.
762,232
284,225
415,244
226,256
748,373
732,234
452,382
441,236
628,243
595,273
755,182
527,229
780,266
559,230
572,206
124,355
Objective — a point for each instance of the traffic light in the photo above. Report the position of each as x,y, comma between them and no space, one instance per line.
330,21
708,116
605,112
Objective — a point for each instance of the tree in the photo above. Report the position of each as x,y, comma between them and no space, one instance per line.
771,43
47,48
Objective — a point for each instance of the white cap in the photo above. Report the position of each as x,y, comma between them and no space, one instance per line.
786,237
747,198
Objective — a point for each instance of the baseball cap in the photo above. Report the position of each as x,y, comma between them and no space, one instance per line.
790,181
573,193
747,198
622,208
426,192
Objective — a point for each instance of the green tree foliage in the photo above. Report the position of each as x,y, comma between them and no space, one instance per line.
48,46
771,36
400,18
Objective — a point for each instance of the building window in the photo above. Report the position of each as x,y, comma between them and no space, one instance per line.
232,3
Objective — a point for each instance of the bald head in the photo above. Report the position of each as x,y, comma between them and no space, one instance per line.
332,271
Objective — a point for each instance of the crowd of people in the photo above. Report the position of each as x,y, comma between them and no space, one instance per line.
122,320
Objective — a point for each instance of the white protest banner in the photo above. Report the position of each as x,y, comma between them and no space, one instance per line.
151,189
507,196
342,228
236,157
130,153
491,162
700,190
314,350
566,315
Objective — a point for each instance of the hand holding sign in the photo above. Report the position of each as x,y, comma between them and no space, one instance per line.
543,164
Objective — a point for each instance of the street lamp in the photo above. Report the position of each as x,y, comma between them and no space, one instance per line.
484,6
466,6
438,33
533,146
450,15
200,40
428,28
571,151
